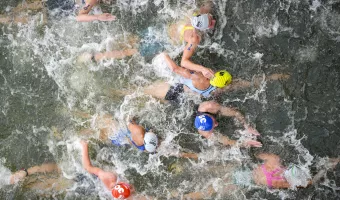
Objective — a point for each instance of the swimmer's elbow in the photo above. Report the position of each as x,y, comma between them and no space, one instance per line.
184,62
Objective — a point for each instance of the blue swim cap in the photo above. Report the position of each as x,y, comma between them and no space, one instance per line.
204,122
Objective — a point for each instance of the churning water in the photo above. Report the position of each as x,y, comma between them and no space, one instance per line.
48,97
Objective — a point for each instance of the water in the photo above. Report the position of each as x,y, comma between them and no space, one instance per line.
48,97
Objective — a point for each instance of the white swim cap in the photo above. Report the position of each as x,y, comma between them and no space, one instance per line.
150,142
200,22
297,176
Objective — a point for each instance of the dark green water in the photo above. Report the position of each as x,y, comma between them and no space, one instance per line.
42,86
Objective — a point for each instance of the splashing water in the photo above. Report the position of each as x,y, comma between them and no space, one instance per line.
49,95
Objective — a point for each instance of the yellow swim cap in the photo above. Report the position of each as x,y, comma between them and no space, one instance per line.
221,79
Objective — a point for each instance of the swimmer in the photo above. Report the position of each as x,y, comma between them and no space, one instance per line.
89,10
271,174
205,123
188,31
133,134
274,175
198,83
118,189
46,181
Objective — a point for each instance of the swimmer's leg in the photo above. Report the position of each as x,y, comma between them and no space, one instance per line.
35,6
44,168
158,89
273,77
331,164
87,57
116,54
4,19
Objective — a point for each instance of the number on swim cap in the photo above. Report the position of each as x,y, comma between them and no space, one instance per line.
119,189
221,73
202,119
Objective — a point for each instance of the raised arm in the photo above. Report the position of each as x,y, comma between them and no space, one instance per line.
215,108
86,160
175,68
188,52
83,15
232,112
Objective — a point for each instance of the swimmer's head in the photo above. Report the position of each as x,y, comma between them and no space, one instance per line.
221,79
150,142
205,122
203,22
121,191
296,176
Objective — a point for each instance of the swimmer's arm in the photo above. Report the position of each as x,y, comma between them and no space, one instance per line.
175,68
225,140
89,5
201,195
232,112
210,107
188,155
187,63
206,134
86,160
87,18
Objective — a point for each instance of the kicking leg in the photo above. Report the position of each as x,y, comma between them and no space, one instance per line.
158,89
116,54
44,168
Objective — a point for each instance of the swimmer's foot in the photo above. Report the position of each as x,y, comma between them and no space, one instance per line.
18,176
333,162
85,57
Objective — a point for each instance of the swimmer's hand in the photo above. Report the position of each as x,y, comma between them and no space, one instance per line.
106,17
252,131
252,143
208,73
83,143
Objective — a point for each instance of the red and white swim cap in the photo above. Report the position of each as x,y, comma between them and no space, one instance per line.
121,191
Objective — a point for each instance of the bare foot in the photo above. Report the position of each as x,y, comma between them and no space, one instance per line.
85,57
18,176
83,143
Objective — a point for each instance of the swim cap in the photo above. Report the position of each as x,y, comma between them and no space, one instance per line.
121,191
200,22
204,122
150,142
221,79
296,176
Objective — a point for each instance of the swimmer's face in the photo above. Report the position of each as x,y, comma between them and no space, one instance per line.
113,183
215,123
212,22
